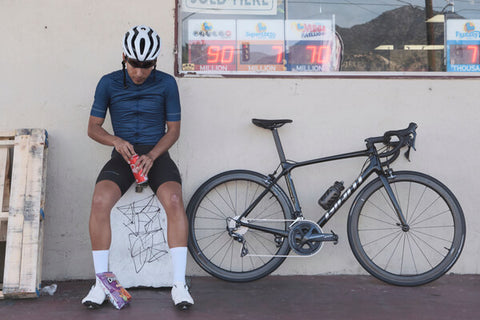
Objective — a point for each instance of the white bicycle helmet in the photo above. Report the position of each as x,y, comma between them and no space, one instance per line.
141,43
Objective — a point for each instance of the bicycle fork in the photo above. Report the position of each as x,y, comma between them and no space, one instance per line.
403,222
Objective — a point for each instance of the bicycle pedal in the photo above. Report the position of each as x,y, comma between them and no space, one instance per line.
335,242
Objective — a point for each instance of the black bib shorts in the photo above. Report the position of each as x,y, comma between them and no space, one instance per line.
119,171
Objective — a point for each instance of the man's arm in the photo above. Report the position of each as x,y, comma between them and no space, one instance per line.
99,134
171,136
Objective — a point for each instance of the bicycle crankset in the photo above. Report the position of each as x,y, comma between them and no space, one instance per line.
301,238
306,237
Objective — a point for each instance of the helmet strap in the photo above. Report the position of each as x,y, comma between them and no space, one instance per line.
124,74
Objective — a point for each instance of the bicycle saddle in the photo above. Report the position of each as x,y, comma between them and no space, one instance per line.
270,124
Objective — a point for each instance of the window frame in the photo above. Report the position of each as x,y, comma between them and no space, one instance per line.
307,75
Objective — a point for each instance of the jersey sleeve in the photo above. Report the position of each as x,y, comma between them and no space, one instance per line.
172,105
102,99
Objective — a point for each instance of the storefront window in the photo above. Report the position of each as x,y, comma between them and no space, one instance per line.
340,37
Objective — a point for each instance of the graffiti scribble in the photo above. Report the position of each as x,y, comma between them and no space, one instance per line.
146,235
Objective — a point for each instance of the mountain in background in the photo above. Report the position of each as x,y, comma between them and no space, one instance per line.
399,27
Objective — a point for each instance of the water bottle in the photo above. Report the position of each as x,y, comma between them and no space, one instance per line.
331,195
48,290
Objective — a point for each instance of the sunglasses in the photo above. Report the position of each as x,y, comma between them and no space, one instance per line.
142,64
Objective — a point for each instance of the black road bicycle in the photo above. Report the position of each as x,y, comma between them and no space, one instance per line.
405,228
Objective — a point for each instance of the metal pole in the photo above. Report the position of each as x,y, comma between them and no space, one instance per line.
430,35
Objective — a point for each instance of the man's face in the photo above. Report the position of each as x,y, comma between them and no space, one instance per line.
139,71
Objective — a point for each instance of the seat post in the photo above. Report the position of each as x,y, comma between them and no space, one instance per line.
278,144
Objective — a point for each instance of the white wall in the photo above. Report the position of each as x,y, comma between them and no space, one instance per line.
54,52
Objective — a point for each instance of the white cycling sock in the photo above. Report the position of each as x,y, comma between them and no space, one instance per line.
179,260
100,260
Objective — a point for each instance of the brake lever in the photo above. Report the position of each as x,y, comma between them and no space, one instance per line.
411,141
411,144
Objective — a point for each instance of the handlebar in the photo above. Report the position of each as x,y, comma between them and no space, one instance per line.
406,137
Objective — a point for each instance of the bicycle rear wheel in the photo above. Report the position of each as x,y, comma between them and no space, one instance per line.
214,239
429,248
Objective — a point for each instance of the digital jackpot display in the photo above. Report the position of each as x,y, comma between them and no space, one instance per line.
462,45
212,46
261,45
217,46
310,45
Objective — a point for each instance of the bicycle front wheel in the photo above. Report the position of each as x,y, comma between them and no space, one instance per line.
416,255
221,246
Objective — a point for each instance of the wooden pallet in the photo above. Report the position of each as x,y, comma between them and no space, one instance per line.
23,156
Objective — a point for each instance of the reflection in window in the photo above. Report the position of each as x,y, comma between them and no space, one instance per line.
315,36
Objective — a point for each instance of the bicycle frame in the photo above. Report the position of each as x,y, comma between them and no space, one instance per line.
374,166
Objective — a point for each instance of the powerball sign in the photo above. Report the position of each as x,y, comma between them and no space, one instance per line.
463,45
264,7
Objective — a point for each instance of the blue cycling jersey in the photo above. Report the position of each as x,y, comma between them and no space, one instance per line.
138,112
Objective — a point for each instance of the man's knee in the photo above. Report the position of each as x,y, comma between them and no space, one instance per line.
101,202
173,202
105,196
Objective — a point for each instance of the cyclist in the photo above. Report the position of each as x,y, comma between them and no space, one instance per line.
144,108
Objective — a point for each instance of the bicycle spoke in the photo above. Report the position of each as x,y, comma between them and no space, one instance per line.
412,255
435,237
219,210
379,220
432,217
425,210
414,235
259,215
402,260
408,201
230,245
389,203
220,234
393,251
385,247
418,202
382,238
256,251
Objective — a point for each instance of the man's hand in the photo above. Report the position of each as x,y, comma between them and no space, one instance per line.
124,148
145,163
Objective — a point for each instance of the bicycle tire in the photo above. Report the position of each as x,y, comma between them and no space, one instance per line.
415,257
225,196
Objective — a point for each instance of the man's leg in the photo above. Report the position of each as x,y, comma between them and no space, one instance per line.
170,196
105,195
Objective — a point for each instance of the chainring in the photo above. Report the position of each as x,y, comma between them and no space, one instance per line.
298,238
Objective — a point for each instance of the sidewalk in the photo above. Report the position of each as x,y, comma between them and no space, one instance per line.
291,297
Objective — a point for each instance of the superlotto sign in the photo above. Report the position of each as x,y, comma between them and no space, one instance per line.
463,45
252,45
